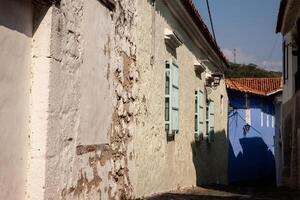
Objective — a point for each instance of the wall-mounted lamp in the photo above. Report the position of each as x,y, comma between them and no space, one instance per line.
217,78
246,129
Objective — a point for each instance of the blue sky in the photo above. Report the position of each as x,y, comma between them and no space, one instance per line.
247,26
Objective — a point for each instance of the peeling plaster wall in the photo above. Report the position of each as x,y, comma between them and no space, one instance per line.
160,165
91,101
15,54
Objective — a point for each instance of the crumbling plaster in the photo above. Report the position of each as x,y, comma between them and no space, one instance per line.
91,101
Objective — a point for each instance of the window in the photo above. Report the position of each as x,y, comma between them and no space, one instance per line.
297,74
171,98
267,120
210,117
273,121
283,61
248,110
199,118
262,119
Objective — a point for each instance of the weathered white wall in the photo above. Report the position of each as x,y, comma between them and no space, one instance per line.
15,54
96,97
160,165
92,73
291,68
39,103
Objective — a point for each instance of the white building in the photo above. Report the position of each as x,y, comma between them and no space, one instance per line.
288,25
83,99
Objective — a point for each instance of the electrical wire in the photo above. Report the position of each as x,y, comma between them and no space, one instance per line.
210,19
273,48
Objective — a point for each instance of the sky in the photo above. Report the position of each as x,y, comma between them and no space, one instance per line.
247,26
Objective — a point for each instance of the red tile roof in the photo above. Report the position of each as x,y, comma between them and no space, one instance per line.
259,86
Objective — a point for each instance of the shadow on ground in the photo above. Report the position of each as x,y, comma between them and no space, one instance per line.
230,193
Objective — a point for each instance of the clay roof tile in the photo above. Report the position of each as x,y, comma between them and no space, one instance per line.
259,86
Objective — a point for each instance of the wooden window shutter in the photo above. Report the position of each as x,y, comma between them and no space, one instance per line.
199,118
174,97
211,118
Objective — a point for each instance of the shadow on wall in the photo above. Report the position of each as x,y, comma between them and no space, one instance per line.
254,166
30,11
211,160
173,196
238,101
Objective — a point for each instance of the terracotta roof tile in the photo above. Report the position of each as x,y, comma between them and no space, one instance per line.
259,86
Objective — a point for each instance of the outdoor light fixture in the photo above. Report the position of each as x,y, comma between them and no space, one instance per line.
217,78
247,127
209,80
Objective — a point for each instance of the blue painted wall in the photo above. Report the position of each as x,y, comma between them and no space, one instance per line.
251,153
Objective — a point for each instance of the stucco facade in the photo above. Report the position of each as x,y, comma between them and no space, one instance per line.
82,101
163,165
288,24
67,76
15,56
245,166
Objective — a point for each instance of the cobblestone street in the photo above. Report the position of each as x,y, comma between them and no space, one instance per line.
229,193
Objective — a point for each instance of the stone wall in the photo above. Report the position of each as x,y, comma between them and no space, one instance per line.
92,75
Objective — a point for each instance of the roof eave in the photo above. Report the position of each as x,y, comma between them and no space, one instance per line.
281,14
198,20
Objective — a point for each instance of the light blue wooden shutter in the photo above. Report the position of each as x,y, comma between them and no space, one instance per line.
174,97
201,113
199,118
196,134
167,99
211,118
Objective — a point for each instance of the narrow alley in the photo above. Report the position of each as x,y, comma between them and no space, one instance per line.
150,99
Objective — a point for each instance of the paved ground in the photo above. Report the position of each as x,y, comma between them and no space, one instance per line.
230,193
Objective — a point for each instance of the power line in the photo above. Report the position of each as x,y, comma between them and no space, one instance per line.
210,19
273,48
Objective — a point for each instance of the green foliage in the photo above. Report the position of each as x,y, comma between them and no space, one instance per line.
249,71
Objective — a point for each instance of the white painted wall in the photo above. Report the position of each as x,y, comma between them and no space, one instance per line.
39,106
291,68
278,140
87,141
15,57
